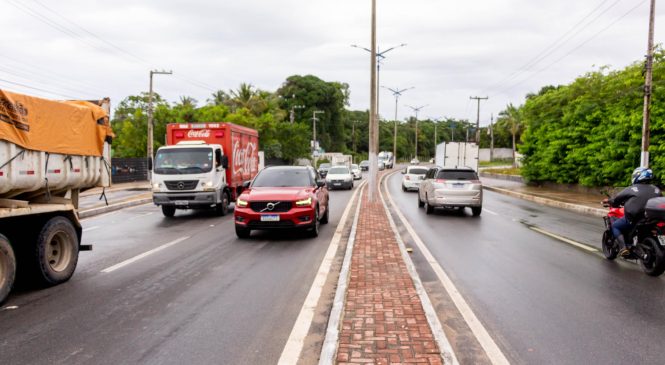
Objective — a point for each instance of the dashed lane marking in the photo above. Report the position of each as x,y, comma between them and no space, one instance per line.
490,212
564,239
143,255
90,228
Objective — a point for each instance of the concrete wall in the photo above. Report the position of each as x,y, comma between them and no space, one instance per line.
499,154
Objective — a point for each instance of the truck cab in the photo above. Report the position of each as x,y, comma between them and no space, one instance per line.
191,174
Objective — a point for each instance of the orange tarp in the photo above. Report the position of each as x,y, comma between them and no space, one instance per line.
65,127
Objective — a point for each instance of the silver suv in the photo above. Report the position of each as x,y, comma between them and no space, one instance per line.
452,189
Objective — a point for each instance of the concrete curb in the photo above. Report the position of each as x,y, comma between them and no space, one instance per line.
596,212
113,207
490,175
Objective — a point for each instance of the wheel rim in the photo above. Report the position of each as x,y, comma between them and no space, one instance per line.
58,251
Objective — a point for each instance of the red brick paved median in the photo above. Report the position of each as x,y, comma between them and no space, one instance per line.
384,321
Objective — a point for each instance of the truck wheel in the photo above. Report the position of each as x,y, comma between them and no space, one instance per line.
223,207
243,232
7,268
56,252
168,211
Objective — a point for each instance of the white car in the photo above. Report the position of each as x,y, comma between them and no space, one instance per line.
413,175
339,177
415,161
382,165
451,189
355,170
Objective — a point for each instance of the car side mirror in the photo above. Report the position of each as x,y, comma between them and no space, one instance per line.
320,183
225,162
245,184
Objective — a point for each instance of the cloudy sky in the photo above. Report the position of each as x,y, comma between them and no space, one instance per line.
455,49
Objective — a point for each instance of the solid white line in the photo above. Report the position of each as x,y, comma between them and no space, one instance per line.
447,352
492,350
90,228
490,212
329,348
564,239
143,255
296,341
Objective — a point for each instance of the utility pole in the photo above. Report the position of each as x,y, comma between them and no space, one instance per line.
492,138
353,133
416,110
452,131
314,146
150,122
396,93
478,117
373,123
292,114
648,78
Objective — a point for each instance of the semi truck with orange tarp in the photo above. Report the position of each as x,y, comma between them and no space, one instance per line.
49,152
204,166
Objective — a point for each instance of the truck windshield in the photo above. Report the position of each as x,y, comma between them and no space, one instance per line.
282,177
177,161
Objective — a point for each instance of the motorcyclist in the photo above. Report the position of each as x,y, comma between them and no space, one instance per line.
633,198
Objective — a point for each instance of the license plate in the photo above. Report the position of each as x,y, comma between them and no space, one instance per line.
270,218
458,186
181,202
337,184
661,239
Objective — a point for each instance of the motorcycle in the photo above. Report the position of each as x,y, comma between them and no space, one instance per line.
645,242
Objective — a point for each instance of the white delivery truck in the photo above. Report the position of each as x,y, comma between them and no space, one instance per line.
49,152
457,154
345,160
387,158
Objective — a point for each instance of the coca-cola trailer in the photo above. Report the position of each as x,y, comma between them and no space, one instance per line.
204,165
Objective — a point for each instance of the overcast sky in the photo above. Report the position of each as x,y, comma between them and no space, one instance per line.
455,49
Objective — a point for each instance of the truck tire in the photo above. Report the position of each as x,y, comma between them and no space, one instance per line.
168,211
56,252
7,268
223,207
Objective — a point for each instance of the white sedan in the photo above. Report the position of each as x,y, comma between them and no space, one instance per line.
413,175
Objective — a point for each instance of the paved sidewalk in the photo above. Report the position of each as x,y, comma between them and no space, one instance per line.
384,321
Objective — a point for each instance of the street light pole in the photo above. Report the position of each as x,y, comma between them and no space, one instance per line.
314,149
416,110
396,93
492,137
373,123
150,122
477,98
648,79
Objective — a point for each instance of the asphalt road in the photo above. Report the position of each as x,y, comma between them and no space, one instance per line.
209,298
542,300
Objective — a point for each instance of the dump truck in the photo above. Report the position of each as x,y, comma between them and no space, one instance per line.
50,151
204,166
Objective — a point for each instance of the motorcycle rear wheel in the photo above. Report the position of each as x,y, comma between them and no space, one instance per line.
610,248
653,257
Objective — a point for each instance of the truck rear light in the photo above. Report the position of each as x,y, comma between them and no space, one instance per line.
219,134
179,135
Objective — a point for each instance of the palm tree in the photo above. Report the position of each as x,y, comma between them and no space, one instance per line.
219,97
244,96
511,115
188,101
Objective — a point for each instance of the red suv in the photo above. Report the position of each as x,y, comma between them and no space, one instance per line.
282,197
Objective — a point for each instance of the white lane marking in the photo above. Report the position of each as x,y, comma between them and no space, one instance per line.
564,239
296,341
143,255
492,350
90,228
329,348
490,212
447,352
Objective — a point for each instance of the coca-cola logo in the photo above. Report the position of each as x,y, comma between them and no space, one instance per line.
243,158
198,133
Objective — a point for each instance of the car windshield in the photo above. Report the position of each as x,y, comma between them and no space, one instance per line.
457,175
176,161
364,163
354,167
417,171
338,170
324,166
282,177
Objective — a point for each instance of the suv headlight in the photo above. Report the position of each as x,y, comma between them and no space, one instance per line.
304,203
241,203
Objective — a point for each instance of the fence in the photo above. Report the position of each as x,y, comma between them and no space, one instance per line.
129,169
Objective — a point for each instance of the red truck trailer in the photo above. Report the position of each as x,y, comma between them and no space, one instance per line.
204,165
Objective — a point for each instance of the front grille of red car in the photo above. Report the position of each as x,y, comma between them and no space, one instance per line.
278,206
268,225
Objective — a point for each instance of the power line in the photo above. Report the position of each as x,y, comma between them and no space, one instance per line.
38,89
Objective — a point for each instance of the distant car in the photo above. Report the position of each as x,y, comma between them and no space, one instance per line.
323,169
382,165
364,165
451,188
355,170
412,177
339,177
282,197
431,160
415,161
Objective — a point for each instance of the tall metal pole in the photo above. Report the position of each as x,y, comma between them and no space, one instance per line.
314,149
492,137
416,110
397,93
373,125
150,122
648,78
478,117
